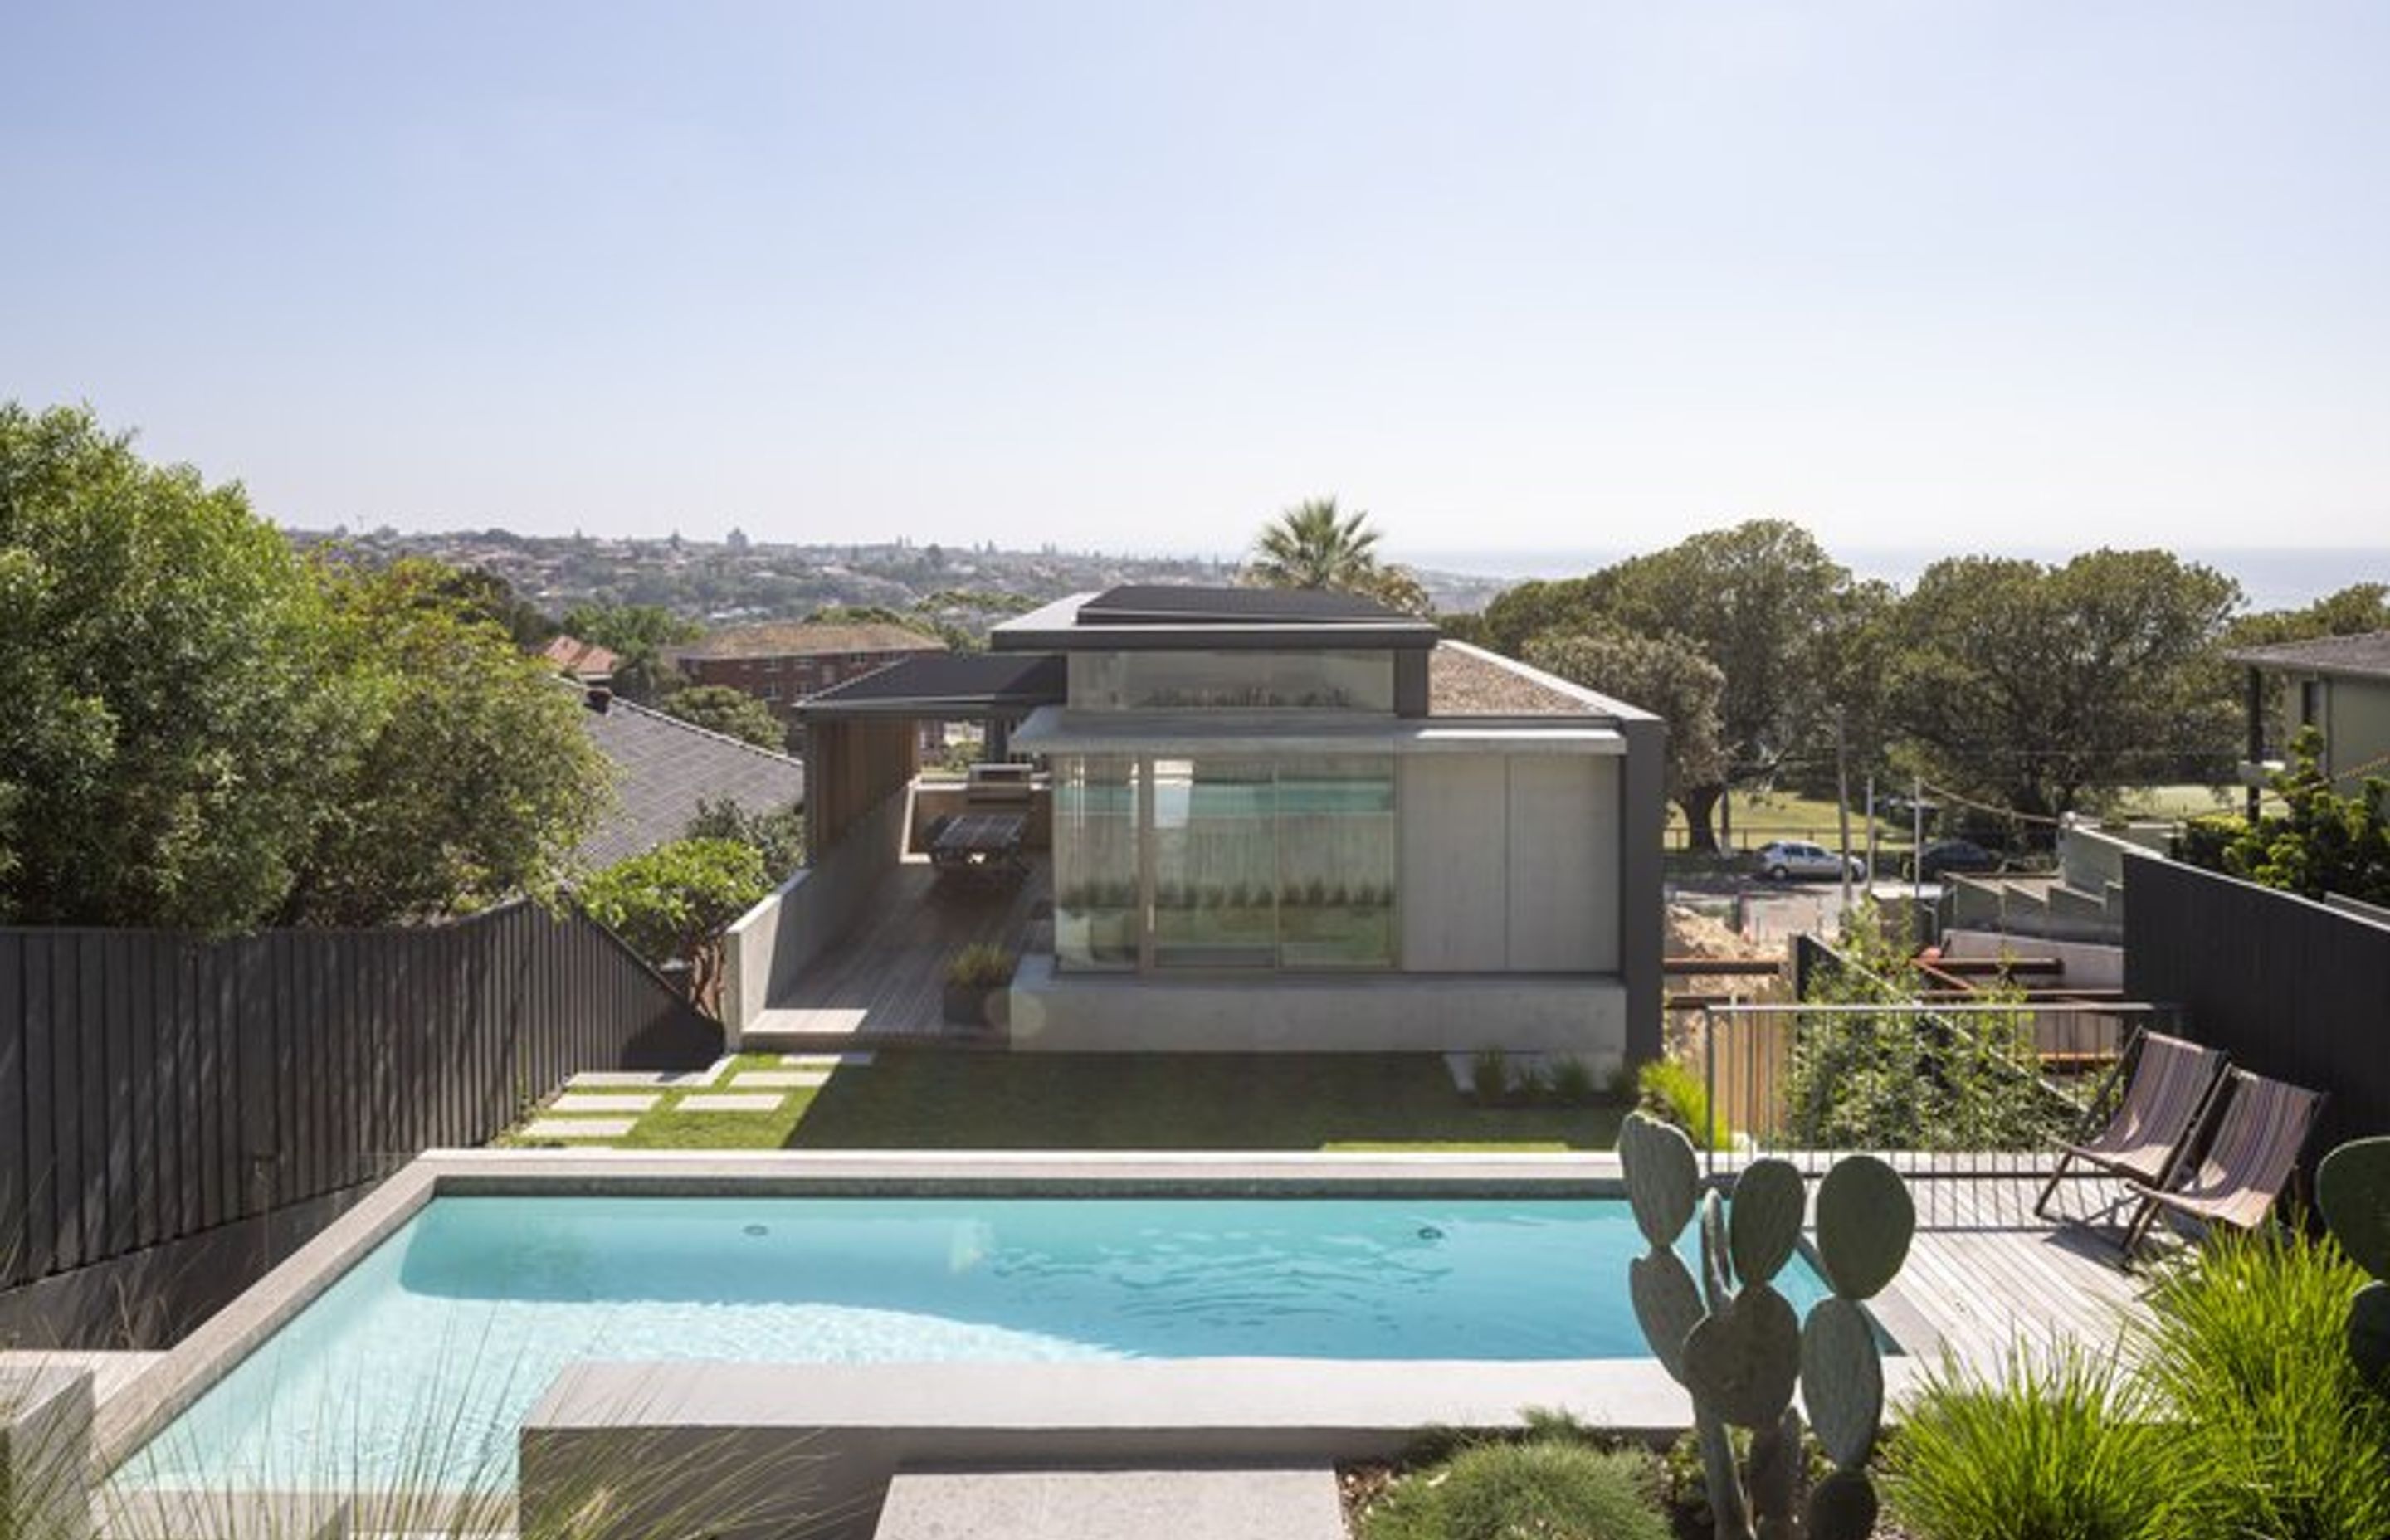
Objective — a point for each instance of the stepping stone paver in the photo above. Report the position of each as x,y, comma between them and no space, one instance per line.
641,1080
732,1103
642,1102
826,1060
1196,1503
577,1128
760,1080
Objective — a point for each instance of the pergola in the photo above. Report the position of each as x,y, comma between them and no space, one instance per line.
862,743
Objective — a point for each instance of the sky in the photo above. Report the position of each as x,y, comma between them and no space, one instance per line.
1511,275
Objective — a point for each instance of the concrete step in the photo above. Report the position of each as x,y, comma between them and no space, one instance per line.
785,1040
1277,1503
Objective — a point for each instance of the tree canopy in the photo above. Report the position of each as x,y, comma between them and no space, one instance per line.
1665,674
205,732
2035,686
730,712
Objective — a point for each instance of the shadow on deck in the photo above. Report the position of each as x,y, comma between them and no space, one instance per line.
883,981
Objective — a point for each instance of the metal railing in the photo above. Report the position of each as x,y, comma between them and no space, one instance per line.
1961,1090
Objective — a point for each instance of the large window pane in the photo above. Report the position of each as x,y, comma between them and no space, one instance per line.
1096,905
1215,862
1342,680
1336,862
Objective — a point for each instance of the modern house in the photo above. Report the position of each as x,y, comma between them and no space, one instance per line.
2340,685
783,662
1299,821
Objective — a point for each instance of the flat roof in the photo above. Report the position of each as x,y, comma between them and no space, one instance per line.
1191,619
947,686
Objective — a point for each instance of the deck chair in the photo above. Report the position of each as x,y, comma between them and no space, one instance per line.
2171,1084
2248,1162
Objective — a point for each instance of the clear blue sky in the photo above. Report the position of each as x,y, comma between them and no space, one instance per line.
1508,275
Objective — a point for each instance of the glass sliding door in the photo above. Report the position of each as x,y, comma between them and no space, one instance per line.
1205,863
1099,902
1215,862
1336,862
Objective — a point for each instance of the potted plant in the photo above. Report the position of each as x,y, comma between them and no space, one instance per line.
974,977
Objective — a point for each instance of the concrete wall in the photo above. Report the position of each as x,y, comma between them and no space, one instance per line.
1320,1013
2356,725
1512,863
771,943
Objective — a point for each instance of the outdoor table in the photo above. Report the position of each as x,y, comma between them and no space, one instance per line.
980,841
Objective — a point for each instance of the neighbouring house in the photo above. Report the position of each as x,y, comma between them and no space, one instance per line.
782,662
1298,821
665,769
2340,685
584,663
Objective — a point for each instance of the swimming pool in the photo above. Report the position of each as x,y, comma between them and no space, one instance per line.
421,1361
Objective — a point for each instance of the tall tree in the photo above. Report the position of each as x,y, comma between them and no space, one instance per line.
1666,675
468,777
1316,544
2038,687
168,714
1776,615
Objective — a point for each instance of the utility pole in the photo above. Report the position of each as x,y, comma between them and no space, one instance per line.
1916,838
1842,800
1870,818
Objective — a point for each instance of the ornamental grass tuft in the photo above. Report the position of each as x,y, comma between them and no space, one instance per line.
1550,1488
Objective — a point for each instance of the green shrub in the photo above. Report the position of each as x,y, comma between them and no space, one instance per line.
1545,1488
979,966
1572,1081
1489,1074
673,903
2060,1447
1675,1094
2279,1434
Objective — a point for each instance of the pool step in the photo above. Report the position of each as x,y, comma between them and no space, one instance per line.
178,1514
1202,1503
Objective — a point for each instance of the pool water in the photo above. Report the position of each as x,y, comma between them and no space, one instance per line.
422,1361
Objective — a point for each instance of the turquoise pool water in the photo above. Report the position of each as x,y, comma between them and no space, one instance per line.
423,1360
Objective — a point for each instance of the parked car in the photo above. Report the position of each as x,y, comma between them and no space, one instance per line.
1952,855
1782,860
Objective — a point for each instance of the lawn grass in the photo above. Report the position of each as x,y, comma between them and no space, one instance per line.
930,1100
1177,1101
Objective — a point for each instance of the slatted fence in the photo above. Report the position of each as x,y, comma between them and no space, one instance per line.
156,1085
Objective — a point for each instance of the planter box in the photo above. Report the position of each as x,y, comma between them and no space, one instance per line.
966,1005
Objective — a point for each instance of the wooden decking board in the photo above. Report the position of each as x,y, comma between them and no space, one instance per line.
886,979
1989,1276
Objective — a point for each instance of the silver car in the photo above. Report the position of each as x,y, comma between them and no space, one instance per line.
1783,860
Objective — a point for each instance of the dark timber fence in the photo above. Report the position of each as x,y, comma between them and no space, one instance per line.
2290,989
155,1086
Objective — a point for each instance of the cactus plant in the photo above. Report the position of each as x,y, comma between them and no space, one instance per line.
1737,1347
2353,1191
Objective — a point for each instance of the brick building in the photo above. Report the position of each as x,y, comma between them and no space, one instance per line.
781,662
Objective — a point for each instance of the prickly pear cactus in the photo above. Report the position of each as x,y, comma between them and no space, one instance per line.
1865,1223
2353,1191
1736,1344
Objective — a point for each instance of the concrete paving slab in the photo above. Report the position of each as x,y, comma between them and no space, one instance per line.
644,1101
636,1080
731,1103
1292,1503
766,1080
577,1128
828,1060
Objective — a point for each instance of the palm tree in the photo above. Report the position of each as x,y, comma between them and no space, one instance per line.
1314,546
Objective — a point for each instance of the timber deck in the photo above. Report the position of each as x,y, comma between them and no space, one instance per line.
883,982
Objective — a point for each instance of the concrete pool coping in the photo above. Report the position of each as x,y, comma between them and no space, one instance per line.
1138,1406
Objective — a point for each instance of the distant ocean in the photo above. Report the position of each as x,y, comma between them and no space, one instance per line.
2272,579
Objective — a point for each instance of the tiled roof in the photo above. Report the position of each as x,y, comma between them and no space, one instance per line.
809,639
580,659
1466,681
2367,656
664,767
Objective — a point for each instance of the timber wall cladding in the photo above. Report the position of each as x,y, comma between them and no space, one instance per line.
155,1086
